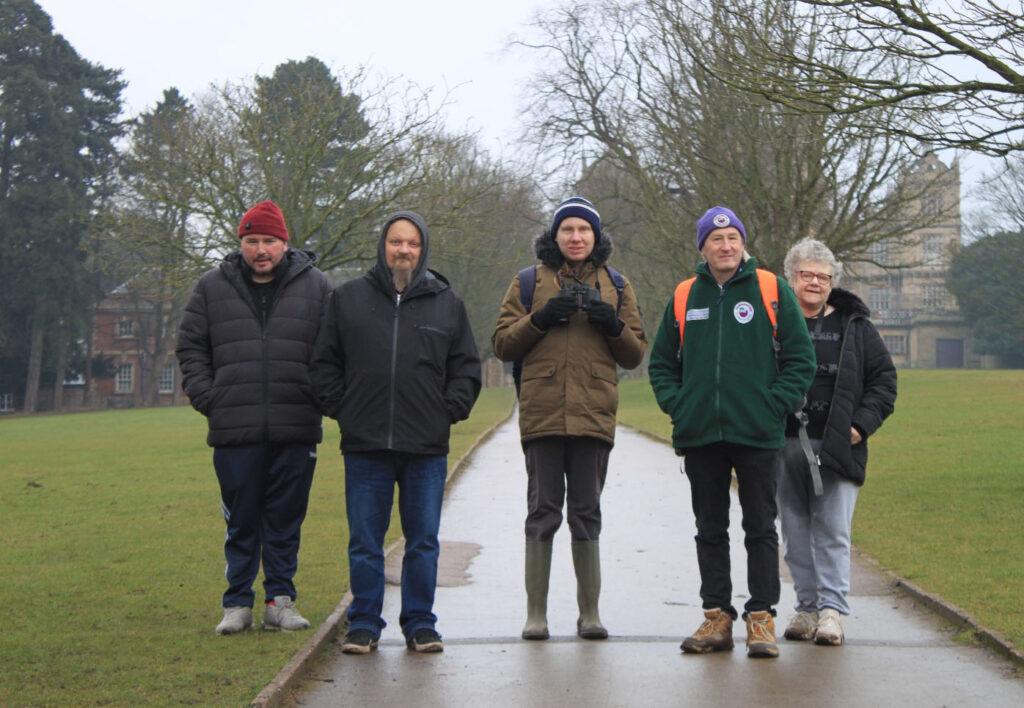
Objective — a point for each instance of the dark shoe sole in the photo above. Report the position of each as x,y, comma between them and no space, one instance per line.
536,636
593,633
762,652
794,637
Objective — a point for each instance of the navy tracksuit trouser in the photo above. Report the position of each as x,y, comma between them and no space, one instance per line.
264,495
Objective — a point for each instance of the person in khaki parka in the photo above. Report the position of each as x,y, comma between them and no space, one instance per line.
579,328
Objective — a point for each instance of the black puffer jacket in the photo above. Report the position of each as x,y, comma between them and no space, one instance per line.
396,372
865,391
251,380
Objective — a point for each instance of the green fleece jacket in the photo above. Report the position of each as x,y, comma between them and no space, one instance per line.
724,386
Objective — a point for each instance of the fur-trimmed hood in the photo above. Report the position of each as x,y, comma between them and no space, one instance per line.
549,253
847,303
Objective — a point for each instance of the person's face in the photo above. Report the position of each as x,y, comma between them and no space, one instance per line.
262,253
402,245
575,238
723,250
812,284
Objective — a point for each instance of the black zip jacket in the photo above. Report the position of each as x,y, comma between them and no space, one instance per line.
865,391
396,370
247,373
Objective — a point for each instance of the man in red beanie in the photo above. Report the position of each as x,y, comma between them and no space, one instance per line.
244,348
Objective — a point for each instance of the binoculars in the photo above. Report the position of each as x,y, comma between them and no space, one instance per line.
584,294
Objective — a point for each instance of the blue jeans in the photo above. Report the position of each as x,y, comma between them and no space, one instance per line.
264,491
370,480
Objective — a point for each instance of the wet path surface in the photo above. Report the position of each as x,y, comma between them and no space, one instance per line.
897,653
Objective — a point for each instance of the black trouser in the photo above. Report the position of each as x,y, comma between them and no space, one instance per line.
558,464
264,493
708,469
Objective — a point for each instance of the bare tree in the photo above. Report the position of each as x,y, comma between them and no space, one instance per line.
634,93
965,90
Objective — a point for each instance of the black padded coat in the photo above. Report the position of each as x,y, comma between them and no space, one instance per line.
249,378
396,371
865,391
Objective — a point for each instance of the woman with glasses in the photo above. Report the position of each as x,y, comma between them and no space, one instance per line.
854,390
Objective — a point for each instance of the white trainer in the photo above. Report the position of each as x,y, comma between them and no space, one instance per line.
830,629
803,626
281,614
236,619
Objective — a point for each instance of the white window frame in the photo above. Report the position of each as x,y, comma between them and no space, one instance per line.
166,382
124,379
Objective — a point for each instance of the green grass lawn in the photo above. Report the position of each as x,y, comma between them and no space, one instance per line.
943,505
113,566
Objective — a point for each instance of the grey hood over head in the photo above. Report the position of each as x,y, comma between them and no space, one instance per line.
380,270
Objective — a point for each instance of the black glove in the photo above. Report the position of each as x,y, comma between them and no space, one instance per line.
603,316
557,310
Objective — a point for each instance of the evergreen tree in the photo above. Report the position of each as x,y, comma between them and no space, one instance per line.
58,120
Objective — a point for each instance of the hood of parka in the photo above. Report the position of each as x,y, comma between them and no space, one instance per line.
847,303
548,252
380,270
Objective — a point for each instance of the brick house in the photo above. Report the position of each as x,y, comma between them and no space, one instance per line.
125,332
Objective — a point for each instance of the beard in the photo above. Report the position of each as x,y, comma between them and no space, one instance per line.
401,276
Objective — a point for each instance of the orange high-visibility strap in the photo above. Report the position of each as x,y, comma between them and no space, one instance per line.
766,281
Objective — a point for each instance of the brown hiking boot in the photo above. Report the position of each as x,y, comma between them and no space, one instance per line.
714,634
761,642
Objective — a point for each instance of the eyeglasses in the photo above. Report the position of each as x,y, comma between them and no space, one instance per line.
809,275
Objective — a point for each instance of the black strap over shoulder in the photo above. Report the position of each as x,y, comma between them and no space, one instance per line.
528,283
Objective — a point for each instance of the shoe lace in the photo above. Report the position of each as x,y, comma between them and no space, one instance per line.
759,628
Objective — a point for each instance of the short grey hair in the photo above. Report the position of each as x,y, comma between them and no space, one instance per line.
809,249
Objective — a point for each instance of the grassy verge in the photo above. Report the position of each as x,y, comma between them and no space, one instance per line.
942,505
113,561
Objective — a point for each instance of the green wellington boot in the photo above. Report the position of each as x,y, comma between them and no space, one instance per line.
586,558
538,571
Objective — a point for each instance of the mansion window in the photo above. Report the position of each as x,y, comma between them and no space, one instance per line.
878,300
880,252
6,402
932,247
166,382
125,328
123,379
931,205
935,297
895,343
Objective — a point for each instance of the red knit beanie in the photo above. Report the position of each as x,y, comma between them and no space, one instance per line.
264,218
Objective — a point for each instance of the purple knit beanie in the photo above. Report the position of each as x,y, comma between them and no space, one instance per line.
717,217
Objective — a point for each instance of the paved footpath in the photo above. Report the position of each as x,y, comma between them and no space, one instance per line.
898,653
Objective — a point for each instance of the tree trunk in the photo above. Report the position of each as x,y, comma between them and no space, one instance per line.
90,394
35,354
62,366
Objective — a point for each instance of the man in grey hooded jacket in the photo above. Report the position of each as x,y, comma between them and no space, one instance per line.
396,365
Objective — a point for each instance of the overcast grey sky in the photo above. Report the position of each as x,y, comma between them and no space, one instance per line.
455,45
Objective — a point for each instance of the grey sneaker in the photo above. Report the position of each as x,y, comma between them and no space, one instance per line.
281,614
236,619
426,641
830,629
359,641
803,626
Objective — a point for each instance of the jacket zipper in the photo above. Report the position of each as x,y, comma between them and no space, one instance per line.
394,368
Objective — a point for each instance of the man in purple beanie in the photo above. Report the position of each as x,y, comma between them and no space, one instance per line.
716,370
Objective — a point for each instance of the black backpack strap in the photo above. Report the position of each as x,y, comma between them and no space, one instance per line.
527,284
619,282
